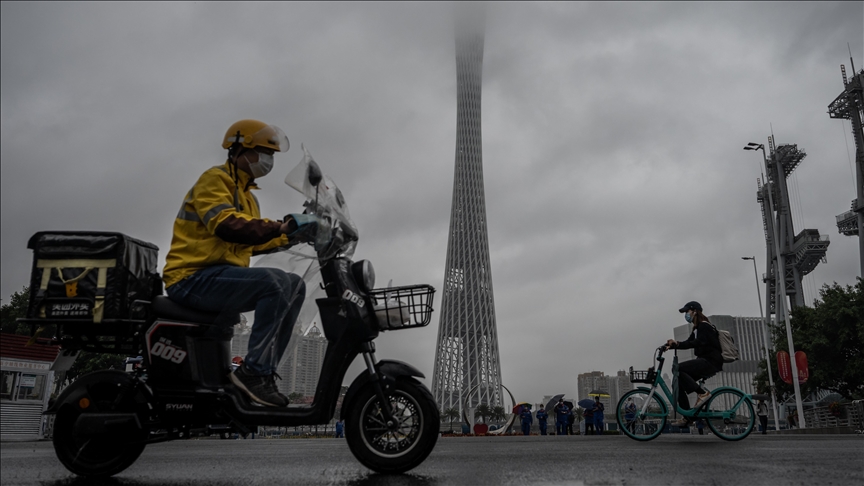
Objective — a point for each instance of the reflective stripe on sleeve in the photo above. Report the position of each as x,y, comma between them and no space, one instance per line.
188,216
213,212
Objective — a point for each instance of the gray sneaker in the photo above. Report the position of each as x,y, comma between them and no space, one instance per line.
683,422
261,389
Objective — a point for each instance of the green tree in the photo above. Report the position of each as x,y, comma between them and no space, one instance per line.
451,414
483,411
498,413
831,333
15,309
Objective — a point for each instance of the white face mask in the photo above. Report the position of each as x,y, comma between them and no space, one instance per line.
263,166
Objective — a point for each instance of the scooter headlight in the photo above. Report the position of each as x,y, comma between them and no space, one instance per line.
364,274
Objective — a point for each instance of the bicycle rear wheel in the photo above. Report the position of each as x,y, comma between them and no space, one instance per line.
639,421
733,415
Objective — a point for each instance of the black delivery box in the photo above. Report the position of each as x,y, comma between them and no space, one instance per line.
90,275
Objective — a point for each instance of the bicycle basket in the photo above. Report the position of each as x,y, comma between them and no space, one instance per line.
642,376
403,307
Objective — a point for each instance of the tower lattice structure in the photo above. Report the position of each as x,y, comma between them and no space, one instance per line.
802,252
467,365
850,106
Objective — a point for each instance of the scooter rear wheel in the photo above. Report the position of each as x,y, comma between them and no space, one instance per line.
393,451
97,456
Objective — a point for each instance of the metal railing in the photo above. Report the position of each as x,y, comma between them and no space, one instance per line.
847,415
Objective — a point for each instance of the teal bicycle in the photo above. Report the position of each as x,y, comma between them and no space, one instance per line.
642,413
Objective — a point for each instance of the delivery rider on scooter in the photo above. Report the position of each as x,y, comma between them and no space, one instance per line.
217,231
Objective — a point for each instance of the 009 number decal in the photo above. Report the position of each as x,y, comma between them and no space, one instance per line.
168,352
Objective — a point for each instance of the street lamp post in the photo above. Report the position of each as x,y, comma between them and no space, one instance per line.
767,341
781,302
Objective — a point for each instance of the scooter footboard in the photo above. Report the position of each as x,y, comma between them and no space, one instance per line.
388,369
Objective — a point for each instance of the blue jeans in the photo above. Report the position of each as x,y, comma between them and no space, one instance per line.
274,295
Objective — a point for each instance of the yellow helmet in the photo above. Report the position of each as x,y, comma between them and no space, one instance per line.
254,133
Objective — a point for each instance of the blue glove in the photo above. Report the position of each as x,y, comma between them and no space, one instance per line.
303,227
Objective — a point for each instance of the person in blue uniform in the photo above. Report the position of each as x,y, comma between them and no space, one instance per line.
598,416
527,420
561,412
340,429
589,421
542,417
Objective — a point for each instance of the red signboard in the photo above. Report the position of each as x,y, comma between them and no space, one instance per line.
784,367
801,364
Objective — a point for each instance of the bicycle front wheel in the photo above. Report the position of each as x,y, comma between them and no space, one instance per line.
641,417
730,415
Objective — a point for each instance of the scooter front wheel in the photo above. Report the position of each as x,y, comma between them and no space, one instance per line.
406,444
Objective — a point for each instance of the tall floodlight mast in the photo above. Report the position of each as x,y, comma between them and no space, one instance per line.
850,105
466,360
802,252
790,257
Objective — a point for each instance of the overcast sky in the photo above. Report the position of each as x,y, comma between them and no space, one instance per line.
616,187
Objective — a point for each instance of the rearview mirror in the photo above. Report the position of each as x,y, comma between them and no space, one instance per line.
314,174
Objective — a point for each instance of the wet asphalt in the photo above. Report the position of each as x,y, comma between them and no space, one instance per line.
576,460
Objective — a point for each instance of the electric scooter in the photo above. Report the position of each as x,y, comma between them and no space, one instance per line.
106,418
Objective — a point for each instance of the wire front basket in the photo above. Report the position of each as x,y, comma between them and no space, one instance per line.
403,307
642,376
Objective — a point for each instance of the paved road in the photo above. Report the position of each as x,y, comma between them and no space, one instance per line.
547,461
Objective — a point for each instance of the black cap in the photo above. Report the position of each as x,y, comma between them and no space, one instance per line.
692,305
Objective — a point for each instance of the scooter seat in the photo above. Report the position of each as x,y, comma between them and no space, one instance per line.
168,309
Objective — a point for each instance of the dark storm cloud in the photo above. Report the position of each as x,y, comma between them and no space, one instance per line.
616,187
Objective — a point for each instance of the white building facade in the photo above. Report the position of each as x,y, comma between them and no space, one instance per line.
749,335
301,364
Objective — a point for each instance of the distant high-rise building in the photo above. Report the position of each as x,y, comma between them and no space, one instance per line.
618,386
240,341
301,366
750,339
596,381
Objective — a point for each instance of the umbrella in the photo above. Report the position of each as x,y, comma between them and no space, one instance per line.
586,403
569,404
518,407
554,401
598,393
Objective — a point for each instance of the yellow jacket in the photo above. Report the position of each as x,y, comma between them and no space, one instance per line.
214,229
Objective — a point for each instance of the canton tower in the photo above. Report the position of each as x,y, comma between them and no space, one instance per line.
467,367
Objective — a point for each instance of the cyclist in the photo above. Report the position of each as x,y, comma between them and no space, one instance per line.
705,343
